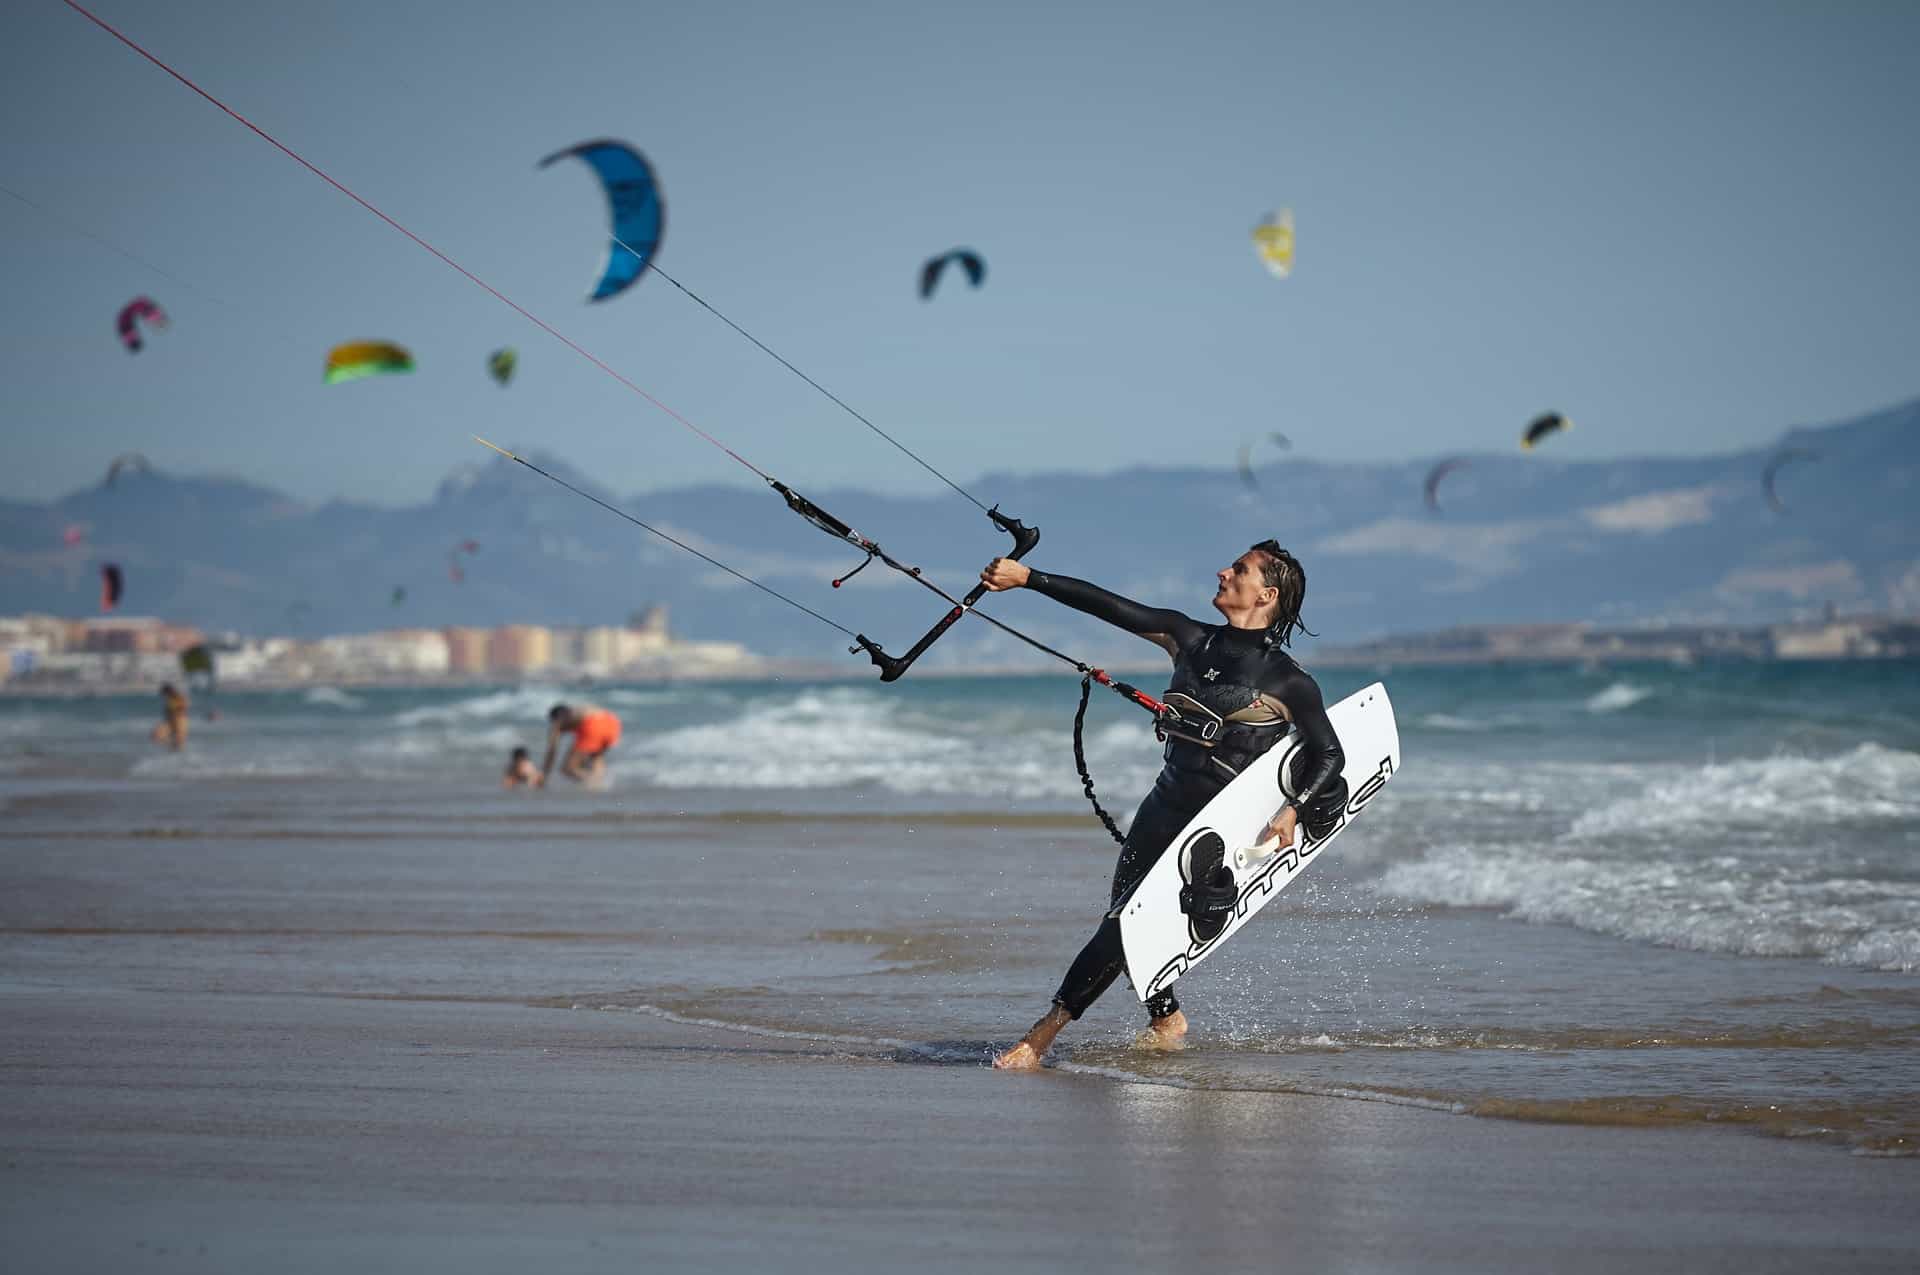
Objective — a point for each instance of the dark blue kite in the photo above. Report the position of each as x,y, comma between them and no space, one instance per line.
969,261
633,198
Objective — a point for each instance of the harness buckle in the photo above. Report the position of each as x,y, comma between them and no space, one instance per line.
1187,718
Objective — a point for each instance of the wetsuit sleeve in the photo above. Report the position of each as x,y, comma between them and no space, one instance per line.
1325,758
1123,613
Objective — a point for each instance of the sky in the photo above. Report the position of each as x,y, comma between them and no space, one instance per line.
1687,226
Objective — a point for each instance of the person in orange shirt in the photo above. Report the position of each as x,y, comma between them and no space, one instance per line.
595,731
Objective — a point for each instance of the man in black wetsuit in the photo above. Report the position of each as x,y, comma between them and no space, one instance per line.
1238,671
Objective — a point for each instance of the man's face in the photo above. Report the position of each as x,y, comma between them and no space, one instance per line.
1242,587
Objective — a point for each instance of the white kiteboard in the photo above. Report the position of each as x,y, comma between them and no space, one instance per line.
1161,941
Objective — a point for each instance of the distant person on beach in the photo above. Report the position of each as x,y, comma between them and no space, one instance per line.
595,731
172,730
1238,674
520,771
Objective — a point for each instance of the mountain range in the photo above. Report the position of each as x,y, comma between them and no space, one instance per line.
1517,537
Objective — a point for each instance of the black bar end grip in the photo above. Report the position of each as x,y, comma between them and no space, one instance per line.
1024,537
814,513
890,668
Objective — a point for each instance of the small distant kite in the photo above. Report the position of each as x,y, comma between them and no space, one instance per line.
1273,241
357,359
112,585
75,534
1541,426
1437,473
638,213
501,364
399,594
968,260
1780,461
138,308
453,559
127,460
1246,455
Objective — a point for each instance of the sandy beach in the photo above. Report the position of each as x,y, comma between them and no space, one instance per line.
210,1132
284,1026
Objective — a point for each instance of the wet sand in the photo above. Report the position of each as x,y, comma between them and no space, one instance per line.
182,1131
315,1027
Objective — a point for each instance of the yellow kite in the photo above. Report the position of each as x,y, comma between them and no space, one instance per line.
1273,240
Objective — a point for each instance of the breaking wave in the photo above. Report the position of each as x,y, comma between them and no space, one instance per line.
1780,856
1618,696
838,738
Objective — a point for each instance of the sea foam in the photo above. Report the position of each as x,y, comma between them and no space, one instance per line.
1782,856
1620,695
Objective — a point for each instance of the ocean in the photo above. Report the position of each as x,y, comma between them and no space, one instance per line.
1620,896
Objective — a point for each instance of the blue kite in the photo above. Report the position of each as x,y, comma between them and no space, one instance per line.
968,260
634,205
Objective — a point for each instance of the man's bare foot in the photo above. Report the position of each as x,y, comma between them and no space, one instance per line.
1165,1033
1026,1055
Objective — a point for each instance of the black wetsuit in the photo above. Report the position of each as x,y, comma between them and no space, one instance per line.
1226,669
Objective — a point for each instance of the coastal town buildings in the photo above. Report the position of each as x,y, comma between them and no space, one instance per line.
46,652
1865,637
50,652
1845,640
519,649
131,635
393,653
467,651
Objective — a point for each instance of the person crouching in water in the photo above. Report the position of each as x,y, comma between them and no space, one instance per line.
172,730
1239,672
520,771
595,731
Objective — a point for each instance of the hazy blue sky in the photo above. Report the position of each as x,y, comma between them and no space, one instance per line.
1686,225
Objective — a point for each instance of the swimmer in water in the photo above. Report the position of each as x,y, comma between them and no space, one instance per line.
172,730
520,771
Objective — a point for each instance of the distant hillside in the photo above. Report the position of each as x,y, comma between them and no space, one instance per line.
1520,538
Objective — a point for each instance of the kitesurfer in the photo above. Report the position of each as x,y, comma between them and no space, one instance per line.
172,730
595,731
1239,672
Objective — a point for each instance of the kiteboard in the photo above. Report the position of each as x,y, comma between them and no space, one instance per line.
1162,942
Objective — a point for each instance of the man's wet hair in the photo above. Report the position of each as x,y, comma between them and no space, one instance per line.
521,754
557,712
166,688
1281,571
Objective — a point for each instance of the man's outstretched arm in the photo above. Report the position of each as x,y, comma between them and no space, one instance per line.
1151,623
